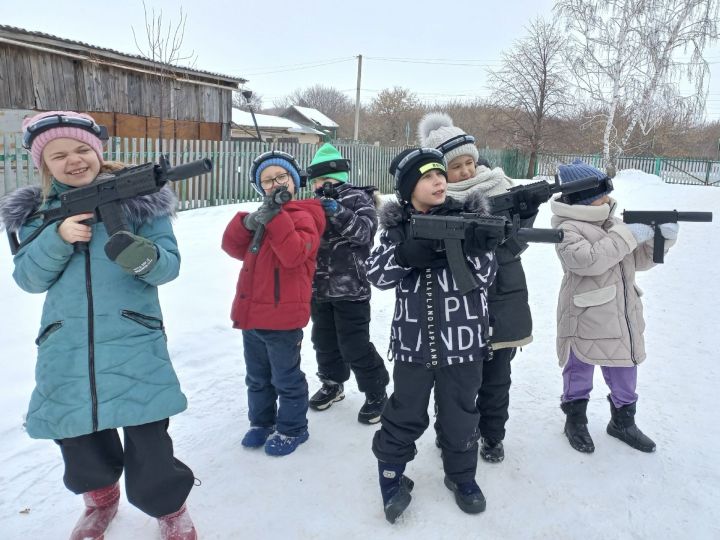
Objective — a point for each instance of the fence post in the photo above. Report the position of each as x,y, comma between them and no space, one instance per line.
708,166
658,165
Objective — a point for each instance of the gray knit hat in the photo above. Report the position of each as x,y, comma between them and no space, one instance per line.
437,128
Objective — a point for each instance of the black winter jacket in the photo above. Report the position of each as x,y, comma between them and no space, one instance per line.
345,245
433,324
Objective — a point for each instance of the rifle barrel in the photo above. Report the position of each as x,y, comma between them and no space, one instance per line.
188,170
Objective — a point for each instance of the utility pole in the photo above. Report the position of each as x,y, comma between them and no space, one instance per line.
357,99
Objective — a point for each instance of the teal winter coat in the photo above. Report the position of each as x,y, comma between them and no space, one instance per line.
102,357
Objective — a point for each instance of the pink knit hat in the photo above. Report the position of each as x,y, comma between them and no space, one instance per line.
60,131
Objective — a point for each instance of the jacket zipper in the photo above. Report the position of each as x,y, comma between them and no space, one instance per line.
627,319
277,286
91,342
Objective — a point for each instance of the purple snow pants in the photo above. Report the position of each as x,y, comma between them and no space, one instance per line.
578,381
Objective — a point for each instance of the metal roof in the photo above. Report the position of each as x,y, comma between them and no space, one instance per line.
13,34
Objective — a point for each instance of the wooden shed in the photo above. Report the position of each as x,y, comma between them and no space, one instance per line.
124,92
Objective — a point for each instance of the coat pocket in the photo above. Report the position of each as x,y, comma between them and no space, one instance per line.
598,318
47,332
153,323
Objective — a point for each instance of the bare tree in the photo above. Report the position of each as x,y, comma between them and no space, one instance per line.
163,48
531,85
326,99
391,110
239,102
629,59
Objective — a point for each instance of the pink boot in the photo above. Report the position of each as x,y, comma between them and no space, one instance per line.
177,526
100,508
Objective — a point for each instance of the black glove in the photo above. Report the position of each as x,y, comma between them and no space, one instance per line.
417,253
478,241
263,215
530,203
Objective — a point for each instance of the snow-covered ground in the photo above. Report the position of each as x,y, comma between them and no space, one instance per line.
328,488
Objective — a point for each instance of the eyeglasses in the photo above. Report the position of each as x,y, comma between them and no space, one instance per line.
49,122
280,180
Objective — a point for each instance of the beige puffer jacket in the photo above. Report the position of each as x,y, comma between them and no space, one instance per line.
599,313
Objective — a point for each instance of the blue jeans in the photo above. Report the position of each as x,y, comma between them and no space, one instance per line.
272,362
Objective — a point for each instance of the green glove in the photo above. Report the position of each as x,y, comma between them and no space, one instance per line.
134,254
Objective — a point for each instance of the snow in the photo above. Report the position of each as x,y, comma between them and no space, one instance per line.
316,116
243,118
328,487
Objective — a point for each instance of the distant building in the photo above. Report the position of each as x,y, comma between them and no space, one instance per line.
273,129
41,72
311,118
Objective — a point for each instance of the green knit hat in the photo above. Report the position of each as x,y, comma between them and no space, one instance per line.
327,152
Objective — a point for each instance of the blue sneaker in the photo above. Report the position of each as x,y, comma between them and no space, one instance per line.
256,436
282,445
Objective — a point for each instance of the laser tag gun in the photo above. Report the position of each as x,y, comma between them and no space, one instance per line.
329,190
277,198
451,230
655,219
525,200
103,197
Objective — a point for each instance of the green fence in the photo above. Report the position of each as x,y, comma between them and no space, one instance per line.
228,182
689,171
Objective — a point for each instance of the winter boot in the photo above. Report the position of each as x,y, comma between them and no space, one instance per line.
100,508
491,450
329,393
395,488
576,425
282,445
177,526
468,496
373,407
256,436
622,426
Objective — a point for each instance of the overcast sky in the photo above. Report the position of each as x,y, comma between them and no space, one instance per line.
438,49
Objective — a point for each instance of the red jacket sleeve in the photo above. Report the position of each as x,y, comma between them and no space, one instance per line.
293,241
236,238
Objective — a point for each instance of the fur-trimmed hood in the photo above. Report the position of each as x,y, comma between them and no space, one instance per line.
392,213
18,206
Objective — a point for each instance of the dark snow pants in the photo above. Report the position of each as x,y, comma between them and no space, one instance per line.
405,416
341,338
494,397
155,481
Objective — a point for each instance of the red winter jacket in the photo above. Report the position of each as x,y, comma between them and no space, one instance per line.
275,285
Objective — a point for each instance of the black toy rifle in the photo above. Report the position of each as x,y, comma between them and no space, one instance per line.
103,197
451,230
525,200
276,199
657,218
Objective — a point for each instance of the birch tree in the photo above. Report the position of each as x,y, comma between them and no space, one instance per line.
634,56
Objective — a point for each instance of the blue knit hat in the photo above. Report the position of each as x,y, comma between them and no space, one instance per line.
279,162
578,170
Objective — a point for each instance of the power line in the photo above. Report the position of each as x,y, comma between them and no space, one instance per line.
435,61
300,67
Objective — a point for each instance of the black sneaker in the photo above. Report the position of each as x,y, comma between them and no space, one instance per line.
329,393
492,451
373,407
